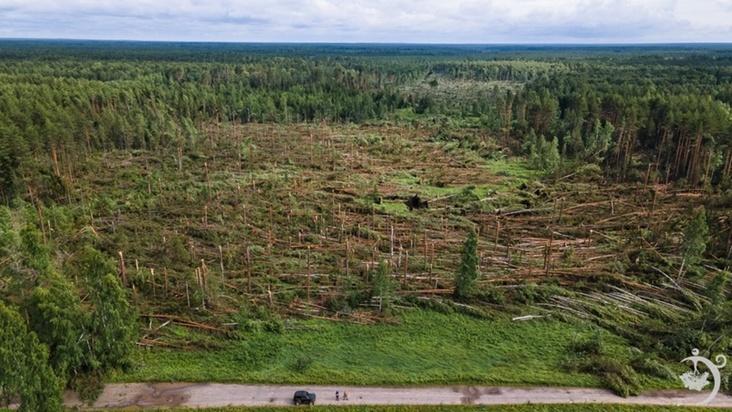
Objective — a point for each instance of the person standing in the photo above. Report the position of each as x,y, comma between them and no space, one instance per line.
337,396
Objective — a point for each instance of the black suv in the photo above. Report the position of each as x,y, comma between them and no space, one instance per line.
303,398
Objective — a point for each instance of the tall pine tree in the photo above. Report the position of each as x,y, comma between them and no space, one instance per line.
467,273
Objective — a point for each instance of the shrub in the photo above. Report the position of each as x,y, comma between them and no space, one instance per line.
302,364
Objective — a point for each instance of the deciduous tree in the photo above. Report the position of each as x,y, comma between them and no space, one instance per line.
24,371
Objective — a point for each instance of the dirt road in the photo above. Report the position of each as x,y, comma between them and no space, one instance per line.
217,395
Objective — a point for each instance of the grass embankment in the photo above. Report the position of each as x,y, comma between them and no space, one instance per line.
424,348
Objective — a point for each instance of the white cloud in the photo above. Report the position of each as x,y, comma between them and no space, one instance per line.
451,21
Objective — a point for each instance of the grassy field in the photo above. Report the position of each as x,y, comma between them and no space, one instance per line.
425,347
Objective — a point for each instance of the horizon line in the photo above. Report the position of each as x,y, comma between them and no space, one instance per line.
374,43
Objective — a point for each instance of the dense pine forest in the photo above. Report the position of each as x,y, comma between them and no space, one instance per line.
164,200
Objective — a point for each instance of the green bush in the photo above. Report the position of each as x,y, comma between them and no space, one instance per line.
302,364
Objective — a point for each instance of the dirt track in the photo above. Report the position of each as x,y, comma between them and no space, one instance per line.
217,395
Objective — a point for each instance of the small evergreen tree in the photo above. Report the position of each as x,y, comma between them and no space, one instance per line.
35,253
467,274
544,154
10,160
7,235
696,235
383,286
552,159
529,144
573,143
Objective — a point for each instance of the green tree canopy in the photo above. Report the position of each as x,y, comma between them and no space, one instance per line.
26,375
467,273
58,320
112,325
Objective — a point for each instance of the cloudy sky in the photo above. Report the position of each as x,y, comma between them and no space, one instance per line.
423,21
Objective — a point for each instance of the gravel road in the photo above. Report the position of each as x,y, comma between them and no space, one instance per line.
217,395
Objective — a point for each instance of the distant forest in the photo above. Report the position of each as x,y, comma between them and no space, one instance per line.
660,112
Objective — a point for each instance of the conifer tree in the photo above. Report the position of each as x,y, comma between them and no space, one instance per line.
7,235
696,235
544,154
467,273
552,158
35,253
383,286
10,159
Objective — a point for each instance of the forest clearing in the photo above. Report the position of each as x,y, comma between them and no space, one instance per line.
481,216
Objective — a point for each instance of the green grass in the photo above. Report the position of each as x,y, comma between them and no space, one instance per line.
424,348
501,192
411,184
466,408
513,171
395,208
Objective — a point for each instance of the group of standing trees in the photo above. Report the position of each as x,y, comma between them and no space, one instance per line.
636,113
49,336
671,121
57,111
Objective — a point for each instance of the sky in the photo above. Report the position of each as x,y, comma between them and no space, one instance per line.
378,21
